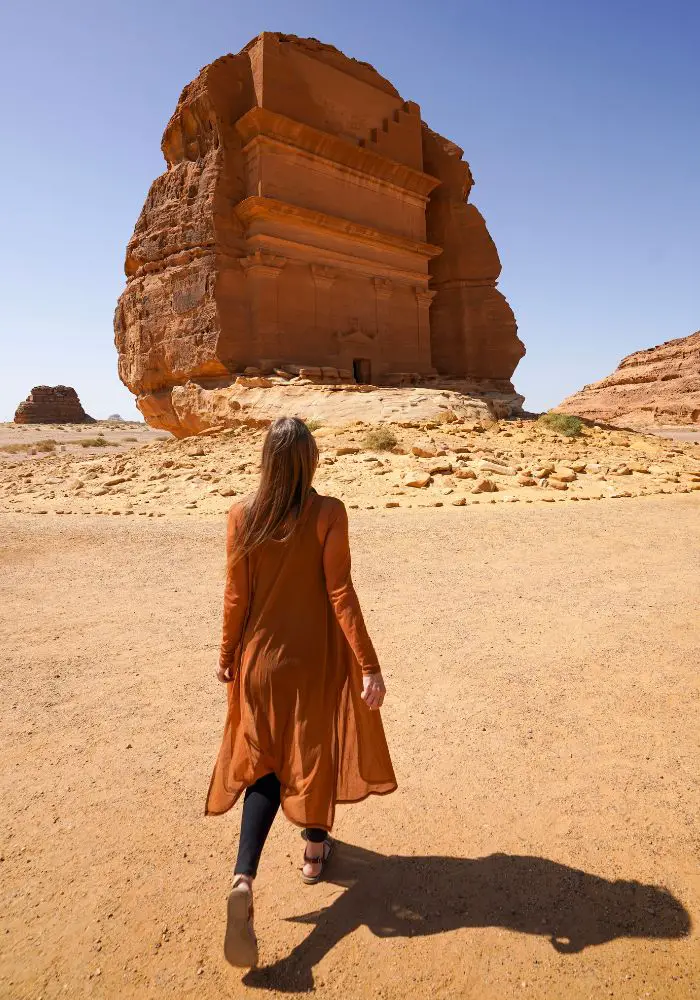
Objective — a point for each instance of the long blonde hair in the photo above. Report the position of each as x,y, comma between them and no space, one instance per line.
289,460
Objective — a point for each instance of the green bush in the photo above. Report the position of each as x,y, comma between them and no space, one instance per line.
313,424
562,423
380,439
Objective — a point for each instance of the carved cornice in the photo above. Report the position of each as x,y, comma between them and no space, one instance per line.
345,263
258,209
465,283
262,122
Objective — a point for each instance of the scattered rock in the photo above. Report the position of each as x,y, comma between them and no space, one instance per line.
491,466
418,478
563,475
440,468
424,450
485,486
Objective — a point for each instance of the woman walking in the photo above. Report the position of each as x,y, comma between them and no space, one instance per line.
303,728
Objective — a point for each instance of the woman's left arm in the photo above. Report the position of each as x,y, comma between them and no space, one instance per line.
236,596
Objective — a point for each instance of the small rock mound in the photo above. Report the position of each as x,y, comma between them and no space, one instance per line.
57,404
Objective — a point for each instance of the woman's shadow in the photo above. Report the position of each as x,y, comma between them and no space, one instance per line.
410,896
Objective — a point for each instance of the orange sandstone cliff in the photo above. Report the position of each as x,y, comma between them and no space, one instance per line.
656,387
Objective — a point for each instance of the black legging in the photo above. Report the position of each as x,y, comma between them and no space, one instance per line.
260,805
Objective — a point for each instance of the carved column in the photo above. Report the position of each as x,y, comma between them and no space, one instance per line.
262,269
423,299
323,300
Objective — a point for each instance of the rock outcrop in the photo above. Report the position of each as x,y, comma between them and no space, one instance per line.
656,387
191,408
309,225
58,404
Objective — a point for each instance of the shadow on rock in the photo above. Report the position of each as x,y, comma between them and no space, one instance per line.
411,896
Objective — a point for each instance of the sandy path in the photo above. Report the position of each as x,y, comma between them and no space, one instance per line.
543,718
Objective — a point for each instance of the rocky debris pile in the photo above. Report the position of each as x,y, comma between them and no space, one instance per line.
413,463
58,404
656,387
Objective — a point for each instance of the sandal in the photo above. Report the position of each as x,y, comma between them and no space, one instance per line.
240,942
328,846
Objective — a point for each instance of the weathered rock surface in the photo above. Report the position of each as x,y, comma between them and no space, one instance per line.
309,226
57,404
656,387
191,408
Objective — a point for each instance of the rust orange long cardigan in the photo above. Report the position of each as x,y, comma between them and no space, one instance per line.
297,645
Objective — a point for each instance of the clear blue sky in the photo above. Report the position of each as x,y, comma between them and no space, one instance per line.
580,119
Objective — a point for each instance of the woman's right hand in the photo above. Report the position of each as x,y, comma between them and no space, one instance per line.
373,690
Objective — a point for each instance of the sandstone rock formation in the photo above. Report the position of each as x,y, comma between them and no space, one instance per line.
58,404
656,387
309,225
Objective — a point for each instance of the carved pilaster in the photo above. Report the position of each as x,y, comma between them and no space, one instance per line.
262,269
424,296
323,277
383,290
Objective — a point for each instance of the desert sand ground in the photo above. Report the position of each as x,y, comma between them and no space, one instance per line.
542,713
25,441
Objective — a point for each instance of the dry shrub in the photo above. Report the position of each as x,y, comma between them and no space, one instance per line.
46,444
562,423
98,442
380,439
